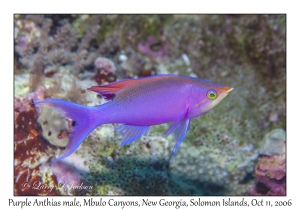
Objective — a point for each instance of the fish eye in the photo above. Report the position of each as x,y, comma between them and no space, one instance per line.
211,94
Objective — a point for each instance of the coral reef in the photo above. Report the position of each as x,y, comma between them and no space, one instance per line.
29,150
60,56
32,174
270,170
58,44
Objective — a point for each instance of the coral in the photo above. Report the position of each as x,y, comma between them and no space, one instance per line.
21,84
55,42
106,64
214,170
69,174
105,70
25,114
153,48
245,38
140,169
270,173
66,86
32,174
103,77
55,128
135,29
271,144
29,150
136,65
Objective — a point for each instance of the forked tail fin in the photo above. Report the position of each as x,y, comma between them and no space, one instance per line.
85,119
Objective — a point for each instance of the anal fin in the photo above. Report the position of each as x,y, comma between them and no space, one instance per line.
130,133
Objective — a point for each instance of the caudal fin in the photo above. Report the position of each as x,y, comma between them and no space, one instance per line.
82,115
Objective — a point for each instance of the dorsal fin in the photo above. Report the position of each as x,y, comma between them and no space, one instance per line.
109,91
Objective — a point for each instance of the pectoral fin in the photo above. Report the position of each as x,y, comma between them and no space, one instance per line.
130,133
179,128
179,135
175,124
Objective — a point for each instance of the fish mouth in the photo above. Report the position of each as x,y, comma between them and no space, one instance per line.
229,90
226,90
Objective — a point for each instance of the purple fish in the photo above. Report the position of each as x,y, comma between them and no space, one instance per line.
138,104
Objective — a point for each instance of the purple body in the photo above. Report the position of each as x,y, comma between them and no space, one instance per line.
140,103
